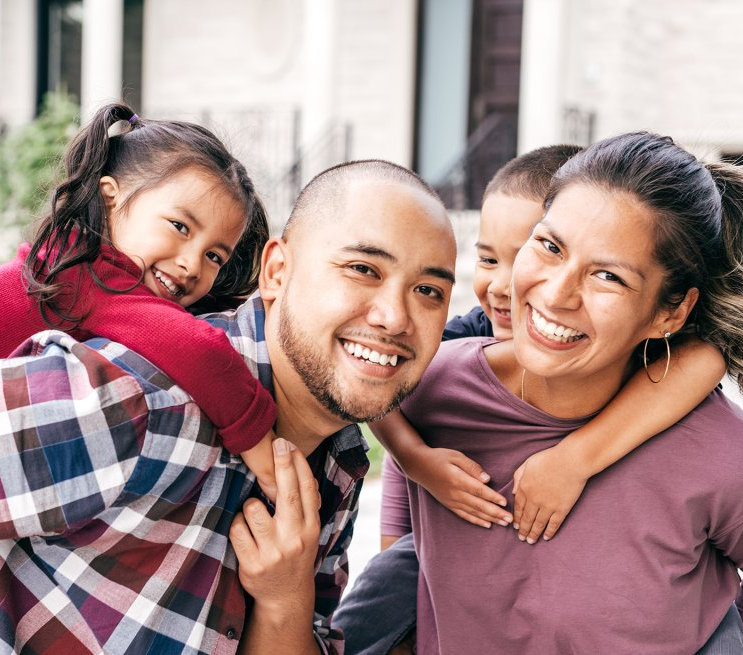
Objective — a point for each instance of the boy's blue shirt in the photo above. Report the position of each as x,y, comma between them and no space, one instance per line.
473,324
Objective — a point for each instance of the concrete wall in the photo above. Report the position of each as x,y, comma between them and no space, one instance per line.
666,65
17,61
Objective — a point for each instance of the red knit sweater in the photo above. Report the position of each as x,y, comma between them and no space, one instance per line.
196,356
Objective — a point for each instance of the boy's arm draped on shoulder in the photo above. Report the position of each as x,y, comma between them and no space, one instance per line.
195,355
455,480
547,485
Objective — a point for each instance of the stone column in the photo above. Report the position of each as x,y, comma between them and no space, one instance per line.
103,35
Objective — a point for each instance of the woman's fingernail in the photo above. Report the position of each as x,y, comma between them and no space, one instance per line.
531,541
484,477
522,537
515,526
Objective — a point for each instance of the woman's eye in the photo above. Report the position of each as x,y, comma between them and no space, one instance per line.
179,226
489,261
610,277
217,259
550,246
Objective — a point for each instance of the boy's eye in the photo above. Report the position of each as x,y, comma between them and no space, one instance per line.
183,229
217,259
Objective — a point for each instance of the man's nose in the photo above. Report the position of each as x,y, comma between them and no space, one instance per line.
389,310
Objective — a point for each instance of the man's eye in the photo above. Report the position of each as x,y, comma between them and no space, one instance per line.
430,292
217,259
362,268
179,226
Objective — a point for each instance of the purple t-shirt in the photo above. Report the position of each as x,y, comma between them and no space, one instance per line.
645,562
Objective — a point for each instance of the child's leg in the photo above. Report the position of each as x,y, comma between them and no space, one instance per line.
728,638
380,609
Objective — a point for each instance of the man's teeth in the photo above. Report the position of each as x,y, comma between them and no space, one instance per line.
362,352
174,289
559,333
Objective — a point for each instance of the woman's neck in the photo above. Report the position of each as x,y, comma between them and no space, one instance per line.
561,397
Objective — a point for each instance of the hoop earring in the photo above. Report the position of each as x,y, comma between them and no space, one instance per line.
668,359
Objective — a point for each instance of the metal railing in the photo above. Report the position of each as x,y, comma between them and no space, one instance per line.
490,146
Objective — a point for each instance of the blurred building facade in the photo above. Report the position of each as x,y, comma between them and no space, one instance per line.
452,88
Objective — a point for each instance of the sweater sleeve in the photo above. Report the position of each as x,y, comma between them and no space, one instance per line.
195,355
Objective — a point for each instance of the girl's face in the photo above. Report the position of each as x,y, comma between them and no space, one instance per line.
505,224
180,233
585,289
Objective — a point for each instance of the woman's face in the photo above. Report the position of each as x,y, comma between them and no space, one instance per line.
586,288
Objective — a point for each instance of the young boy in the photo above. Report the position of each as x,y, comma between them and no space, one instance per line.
380,610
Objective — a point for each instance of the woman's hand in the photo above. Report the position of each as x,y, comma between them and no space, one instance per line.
546,486
458,483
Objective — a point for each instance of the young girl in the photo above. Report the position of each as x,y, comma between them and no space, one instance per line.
147,223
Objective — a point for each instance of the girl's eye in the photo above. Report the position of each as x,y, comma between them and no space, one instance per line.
610,277
430,292
180,227
217,259
489,261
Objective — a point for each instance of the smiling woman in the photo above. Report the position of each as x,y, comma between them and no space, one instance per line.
647,561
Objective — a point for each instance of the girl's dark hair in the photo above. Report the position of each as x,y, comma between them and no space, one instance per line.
699,226
141,157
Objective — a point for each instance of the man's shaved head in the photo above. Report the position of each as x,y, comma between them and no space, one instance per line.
324,198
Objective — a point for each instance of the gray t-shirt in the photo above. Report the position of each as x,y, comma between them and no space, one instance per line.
645,562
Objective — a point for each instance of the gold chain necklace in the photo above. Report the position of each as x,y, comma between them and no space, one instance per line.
523,375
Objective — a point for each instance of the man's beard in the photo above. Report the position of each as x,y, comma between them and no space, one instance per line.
319,377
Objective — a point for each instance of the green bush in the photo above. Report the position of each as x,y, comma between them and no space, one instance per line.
30,159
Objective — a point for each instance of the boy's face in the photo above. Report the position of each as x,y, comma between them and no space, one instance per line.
505,225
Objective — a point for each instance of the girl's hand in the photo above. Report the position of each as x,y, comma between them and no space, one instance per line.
458,483
546,486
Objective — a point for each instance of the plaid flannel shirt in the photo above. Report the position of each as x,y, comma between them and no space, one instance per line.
116,501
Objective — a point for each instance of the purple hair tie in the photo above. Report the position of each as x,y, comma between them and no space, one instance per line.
133,119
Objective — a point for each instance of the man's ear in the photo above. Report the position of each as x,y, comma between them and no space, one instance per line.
274,264
673,320
110,191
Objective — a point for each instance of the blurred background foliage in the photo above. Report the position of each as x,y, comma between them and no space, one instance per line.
30,164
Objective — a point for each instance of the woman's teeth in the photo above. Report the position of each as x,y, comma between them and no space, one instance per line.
362,352
171,287
559,333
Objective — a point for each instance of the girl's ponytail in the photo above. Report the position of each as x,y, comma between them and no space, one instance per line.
719,312
71,234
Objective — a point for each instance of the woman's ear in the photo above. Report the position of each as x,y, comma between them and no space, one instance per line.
110,191
673,320
274,263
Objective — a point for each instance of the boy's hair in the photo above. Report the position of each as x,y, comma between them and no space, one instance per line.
529,175
142,156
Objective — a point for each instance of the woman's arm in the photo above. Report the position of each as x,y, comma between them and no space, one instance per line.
549,483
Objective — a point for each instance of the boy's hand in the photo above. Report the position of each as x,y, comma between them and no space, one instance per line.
545,487
458,483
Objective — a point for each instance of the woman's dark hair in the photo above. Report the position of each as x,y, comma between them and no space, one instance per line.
699,226
141,157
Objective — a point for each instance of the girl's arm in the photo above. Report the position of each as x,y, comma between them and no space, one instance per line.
454,480
196,356
547,485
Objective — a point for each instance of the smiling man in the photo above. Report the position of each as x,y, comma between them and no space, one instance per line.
128,553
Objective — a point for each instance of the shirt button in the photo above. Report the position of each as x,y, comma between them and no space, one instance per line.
230,633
